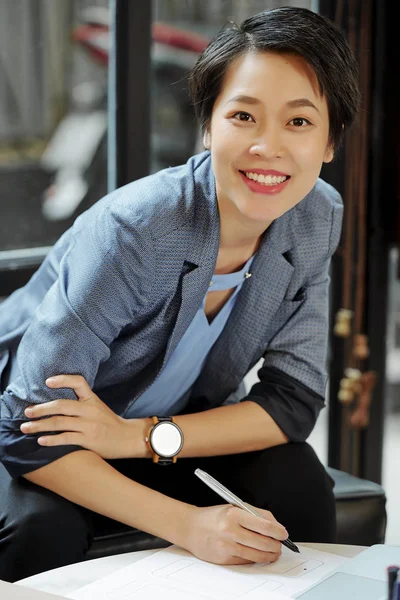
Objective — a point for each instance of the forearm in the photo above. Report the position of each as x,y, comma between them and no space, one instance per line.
231,429
114,495
242,427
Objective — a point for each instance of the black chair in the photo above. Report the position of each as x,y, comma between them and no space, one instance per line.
360,511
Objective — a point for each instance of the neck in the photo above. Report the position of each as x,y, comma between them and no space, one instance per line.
237,232
237,244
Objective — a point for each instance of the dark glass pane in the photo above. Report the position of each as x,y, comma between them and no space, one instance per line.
53,118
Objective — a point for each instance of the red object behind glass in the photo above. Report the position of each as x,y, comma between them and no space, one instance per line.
95,38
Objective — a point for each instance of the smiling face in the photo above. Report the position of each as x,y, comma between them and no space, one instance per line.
268,137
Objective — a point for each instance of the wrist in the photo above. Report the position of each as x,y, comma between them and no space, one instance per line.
134,436
182,529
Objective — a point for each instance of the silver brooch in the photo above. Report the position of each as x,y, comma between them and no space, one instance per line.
247,275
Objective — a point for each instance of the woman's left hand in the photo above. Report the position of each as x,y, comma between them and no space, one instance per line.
87,422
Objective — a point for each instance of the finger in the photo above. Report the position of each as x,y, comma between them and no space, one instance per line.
58,423
268,527
75,382
56,407
67,438
256,556
258,541
265,513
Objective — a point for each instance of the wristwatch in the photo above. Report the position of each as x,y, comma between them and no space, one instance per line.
165,440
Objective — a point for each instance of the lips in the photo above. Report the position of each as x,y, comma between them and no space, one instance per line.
270,188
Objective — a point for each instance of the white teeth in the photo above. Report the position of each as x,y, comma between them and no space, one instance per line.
266,179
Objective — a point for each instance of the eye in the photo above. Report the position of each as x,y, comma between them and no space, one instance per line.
300,122
243,116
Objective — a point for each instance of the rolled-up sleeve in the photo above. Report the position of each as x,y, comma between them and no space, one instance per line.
292,405
100,286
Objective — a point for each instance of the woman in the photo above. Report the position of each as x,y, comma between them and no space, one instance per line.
157,303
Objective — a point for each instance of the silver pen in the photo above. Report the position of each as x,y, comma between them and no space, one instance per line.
222,491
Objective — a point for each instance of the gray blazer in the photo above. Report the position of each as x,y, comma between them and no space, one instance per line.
118,290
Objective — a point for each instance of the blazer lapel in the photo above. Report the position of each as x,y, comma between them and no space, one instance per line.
200,260
194,286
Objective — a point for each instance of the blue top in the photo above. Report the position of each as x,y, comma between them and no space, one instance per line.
170,392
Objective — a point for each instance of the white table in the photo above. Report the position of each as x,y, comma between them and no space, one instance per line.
66,580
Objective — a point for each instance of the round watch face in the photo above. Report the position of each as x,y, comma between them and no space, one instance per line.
166,439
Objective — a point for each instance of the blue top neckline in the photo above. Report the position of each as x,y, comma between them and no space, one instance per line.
227,281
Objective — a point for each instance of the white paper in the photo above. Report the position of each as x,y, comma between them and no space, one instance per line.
11,591
174,574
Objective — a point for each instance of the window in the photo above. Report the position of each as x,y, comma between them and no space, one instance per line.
53,121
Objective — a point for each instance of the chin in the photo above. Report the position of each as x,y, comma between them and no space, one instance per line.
258,218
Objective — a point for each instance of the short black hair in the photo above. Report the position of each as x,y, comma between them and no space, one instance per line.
287,30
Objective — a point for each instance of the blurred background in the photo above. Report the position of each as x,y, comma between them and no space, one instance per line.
93,94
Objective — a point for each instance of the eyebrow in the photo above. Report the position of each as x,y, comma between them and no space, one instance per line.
298,103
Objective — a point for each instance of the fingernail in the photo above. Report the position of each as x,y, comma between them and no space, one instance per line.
50,380
25,426
42,441
28,411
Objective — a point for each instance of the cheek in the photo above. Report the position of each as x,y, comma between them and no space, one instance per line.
310,156
226,148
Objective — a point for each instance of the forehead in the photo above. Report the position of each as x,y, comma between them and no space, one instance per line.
269,75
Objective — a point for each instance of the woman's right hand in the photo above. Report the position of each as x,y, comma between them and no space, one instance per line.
226,535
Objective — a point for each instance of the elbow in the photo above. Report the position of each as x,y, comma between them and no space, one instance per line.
293,406
21,455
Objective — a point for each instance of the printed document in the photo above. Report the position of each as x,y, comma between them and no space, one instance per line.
175,574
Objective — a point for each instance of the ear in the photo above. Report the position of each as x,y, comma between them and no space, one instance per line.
329,154
330,151
207,139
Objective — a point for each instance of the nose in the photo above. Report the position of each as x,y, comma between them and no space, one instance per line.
268,144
